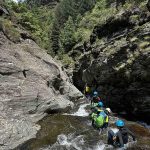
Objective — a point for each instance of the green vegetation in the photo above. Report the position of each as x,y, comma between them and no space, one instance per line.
9,30
98,15
67,61
38,21
59,29
66,8
67,36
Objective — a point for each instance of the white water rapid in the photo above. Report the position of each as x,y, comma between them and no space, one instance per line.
82,112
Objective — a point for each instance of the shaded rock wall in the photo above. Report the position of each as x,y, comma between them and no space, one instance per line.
31,85
118,63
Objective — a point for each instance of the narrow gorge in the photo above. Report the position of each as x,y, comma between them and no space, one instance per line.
49,51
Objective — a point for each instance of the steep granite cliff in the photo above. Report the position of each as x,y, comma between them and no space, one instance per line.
117,62
32,84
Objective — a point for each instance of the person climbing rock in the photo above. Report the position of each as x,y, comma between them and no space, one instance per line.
108,112
121,137
97,107
100,121
87,91
95,99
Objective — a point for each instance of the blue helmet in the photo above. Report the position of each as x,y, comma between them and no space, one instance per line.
100,104
95,93
119,123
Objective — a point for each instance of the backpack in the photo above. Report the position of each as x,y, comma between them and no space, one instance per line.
99,121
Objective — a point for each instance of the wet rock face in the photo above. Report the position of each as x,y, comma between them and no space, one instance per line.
119,63
31,85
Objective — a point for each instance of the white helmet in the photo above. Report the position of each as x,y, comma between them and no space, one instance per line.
108,109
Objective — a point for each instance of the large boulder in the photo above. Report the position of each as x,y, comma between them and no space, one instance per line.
32,84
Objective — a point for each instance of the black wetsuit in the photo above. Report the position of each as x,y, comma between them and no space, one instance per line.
121,137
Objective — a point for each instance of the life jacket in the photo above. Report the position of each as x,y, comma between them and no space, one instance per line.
103,114
107,119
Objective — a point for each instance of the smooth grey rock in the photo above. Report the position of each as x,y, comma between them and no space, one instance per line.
31,84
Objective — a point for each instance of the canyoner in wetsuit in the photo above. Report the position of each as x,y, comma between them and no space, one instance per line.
97,108
100,120
121,137
95,99
87,91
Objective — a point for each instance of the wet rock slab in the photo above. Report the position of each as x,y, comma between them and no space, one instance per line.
32,84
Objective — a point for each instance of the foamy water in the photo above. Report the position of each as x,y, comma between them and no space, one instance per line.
70,141
78,142
81,111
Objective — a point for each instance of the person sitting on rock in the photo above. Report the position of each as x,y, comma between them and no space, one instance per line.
87,91
95,99
100,121
121,137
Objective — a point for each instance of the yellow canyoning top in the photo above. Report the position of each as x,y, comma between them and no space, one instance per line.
87,89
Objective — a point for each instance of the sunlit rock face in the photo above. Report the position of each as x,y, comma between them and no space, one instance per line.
32,84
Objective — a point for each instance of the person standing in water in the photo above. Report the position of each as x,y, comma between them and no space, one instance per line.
121,137
95,99
100,120
87,91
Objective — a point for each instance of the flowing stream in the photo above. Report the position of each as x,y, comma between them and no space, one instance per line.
70,132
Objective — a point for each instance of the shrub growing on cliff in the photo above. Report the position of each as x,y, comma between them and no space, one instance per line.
98,15
9,30
67,61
